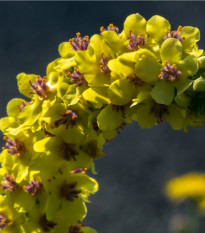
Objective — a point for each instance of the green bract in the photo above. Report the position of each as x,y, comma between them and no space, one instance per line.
146,73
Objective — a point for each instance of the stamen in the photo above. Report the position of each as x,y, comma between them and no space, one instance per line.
40,87
68,117
77,78
103,64
10,184
170,73
22,106
45,224
3,222
79,43
159,110
14,147
175,34
33,188
68,151
69,192
135,42
135,80
111,27
78,170
75,228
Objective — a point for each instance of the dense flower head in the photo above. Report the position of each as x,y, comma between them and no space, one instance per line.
145,73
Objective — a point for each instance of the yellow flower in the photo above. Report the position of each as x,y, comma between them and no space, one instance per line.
191,185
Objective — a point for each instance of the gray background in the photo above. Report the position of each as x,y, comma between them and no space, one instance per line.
138,162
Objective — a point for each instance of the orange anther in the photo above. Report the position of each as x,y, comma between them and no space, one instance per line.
179,29
78,34
101,28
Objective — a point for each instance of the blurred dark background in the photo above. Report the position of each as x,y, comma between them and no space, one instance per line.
138,162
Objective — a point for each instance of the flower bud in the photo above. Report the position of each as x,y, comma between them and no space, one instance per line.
201,61
199,84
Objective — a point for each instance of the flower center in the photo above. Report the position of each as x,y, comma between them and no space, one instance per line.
103,64
45,224
69,192
14,147
33,188
3,222
68,151
170,73
111,27
75,228
68,117
10,184
175,34
78,170
77,78
79,43
135,80
40,87
22,106
135,41
159,110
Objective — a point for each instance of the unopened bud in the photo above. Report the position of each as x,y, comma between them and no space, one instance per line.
201,61
199,84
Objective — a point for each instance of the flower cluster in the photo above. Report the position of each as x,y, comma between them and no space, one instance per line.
146,73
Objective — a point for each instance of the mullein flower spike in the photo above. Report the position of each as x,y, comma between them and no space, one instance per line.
145,73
